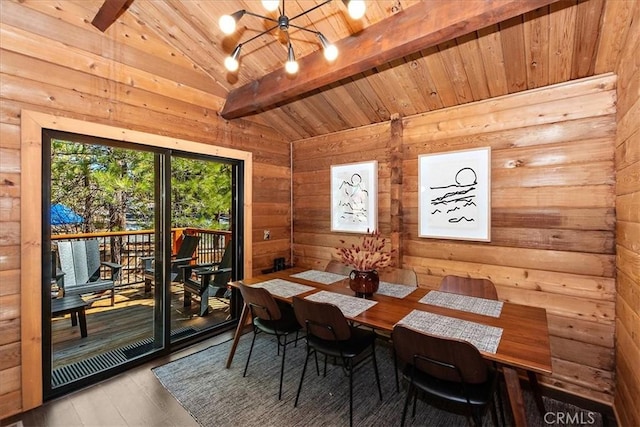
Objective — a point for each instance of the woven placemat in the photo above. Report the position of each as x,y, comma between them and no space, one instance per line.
484,337
323,277
486,307
350,306
283,288
395,290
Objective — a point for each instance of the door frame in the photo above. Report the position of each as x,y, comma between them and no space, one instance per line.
32,124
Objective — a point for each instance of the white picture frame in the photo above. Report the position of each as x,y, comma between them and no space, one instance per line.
454,195
354,197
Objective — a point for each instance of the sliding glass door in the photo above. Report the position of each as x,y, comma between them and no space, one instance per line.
124,227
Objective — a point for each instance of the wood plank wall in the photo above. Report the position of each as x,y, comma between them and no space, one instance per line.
553,210
66,68
628,228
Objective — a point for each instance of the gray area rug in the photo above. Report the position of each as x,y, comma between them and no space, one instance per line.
216,396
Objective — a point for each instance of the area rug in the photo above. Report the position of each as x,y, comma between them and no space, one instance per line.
216,396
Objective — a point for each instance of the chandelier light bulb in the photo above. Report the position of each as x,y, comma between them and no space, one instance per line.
330,52
227,24
231,64
270,5
357,8
291,67
231,61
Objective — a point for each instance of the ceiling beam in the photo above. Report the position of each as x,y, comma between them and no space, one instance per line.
418,27
108,13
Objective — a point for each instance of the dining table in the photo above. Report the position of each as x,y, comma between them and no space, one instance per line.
514,336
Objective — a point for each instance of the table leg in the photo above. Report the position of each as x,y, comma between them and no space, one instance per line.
236,337
83,322
537,393
515,395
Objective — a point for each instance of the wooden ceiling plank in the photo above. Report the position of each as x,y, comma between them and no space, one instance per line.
368,100
108,13
490,48
562,21
588,18
617,14
391,83
413,88
442,19
514,56
471,56
444,87
456,71
428,87
88,39
38,47
345,105
536,40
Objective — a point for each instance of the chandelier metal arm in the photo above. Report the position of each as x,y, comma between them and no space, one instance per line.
304,29
258,35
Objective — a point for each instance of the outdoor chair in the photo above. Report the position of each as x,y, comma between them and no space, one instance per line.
271,318
450,373
80,265
184,256
329,333
213,281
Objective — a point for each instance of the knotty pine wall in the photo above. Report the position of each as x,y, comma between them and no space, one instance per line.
56,67
628,229
553,210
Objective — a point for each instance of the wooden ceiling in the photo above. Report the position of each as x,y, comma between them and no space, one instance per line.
562,41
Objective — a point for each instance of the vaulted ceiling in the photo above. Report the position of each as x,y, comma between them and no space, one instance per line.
487,57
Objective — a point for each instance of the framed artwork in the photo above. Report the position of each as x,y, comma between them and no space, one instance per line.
354,197
455,195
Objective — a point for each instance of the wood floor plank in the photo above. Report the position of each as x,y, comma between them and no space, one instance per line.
133,398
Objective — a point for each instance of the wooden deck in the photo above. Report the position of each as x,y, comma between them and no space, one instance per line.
129,321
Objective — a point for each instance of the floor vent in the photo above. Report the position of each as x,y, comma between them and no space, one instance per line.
84,368
70,373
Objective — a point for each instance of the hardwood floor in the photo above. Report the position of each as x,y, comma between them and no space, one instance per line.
133,398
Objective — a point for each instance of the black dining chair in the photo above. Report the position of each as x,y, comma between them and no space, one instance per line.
329,333
271,318
446,370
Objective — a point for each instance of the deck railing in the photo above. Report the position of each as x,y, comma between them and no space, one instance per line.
127,248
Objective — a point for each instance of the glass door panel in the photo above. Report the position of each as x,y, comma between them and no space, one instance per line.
102,311
201,232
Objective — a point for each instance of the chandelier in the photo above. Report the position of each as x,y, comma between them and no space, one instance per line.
228,24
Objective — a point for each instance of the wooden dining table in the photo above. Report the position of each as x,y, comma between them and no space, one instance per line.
524,343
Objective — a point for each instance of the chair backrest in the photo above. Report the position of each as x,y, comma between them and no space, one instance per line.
338,268
260,302
321,319
481,288
222,279
79,261
188,246
401,276
444,358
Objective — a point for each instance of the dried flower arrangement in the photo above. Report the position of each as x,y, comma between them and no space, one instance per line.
368,255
